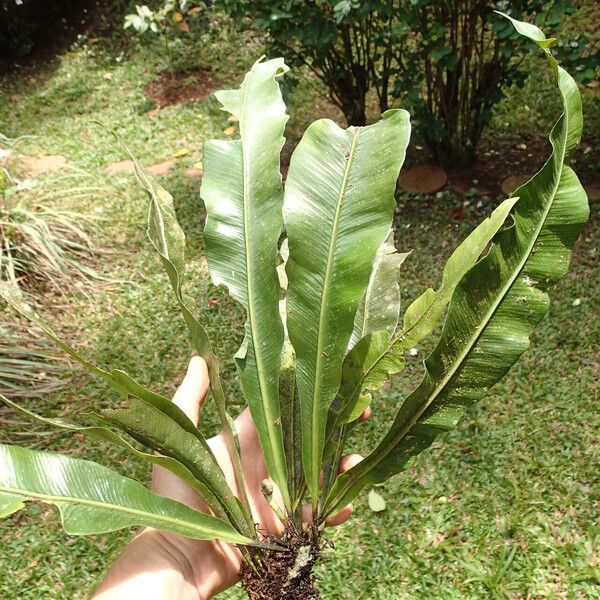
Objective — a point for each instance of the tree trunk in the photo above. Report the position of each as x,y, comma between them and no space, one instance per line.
353,108
448,152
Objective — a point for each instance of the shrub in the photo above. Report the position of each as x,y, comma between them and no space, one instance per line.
447,62
29,368
308,375
465,57
170,19
170,15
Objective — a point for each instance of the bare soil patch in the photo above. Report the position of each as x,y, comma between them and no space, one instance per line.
162,168
194,172
37,165
121,166
503,164
181,88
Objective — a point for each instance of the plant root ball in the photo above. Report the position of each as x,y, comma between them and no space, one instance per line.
285,575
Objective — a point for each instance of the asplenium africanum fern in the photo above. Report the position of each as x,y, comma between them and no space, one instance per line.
315,267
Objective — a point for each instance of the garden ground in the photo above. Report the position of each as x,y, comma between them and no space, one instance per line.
506,506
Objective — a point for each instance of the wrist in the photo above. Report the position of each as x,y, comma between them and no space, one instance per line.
150,568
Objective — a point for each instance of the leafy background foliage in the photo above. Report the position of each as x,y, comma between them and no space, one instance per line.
447,62
442,534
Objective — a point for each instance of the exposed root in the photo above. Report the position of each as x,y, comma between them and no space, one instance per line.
286,575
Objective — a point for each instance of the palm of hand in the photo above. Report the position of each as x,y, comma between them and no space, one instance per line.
218,560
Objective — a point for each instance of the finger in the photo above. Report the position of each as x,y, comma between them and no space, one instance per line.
348,461
340,517
193,389
365,415
333,521
189,397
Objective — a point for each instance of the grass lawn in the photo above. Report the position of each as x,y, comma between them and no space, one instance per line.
506,506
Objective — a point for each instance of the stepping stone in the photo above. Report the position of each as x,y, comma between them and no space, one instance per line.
510,184
163,168
122,166
423,179
193,172
43,164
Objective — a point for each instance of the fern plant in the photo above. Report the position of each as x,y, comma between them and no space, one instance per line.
316,269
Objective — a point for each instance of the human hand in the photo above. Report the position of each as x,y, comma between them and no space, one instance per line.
161,565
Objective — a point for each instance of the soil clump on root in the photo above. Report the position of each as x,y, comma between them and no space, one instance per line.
286,575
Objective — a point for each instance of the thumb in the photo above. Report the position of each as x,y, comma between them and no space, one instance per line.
193,389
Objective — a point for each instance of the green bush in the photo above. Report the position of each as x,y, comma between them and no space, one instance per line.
170,19
446,61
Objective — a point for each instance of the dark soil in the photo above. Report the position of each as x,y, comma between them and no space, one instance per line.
285,575
501,158
180,88
36,31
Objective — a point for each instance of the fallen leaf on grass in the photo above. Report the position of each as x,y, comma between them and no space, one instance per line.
376,502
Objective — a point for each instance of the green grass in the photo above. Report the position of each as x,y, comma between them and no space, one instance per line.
506,506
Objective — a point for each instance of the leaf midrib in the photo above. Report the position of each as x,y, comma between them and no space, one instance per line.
117,507
315,440
269,419
161,229
400,338
358,387
397,340
438,390
365,316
